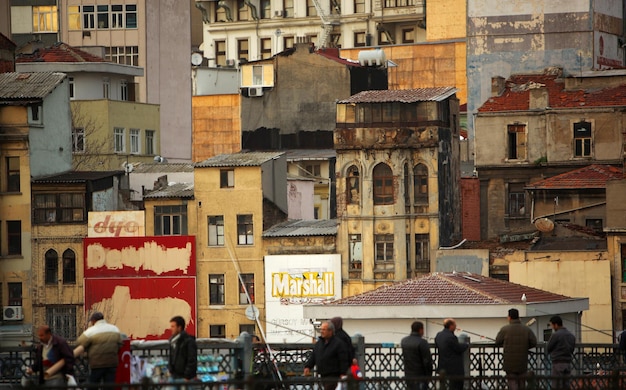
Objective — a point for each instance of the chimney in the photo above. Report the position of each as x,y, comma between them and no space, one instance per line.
497,85
538,98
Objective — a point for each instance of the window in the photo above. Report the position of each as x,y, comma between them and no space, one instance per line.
383,184
124,90
288,42
248,328
126,55
227,178
288,8
131,16
310,8
248,283
220,53
623,253
217,331
150,142
242,49
335,40
55,208
407,186
15,294
216,289
71,83
408,35
595,224
353,186
63,320
257,75
119,139
266,9
13,174
45,18
384,248
134,141
216,230
356,251
422,253
517,141
420,184
170,220
517,200
14,237
242,10
52,266
245,230
89,17
385,37
582,139
359,6
73,17
359,39
78,140
399,3
220,14
313,170
35,114
266,48
117,16
106,87
103,16
69,267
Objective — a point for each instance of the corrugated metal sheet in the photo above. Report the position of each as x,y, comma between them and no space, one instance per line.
310,154
76,177
402,95
174,190
299,228
249,159
140,167
19,86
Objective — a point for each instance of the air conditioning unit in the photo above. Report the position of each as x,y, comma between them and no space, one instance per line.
231,63
255,91
279,14
12,313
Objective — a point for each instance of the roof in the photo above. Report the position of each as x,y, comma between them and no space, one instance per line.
589,177
76,177
516,95
244,159
140,167
173,190
451,288
59,52
402,95
310,154
301,228
333,54
28,86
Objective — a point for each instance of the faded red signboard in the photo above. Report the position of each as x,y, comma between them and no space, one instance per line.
140,256
143,307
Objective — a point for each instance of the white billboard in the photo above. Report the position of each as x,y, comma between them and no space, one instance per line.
116,224
292,281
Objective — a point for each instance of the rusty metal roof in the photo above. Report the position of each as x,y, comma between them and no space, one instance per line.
141,167
402,95
23,86
244,159
173,190
452,288
76,177
300,228
310,154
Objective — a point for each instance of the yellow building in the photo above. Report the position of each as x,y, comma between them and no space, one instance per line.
171,210
237,196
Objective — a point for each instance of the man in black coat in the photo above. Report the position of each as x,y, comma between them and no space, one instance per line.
183,356
418,362
330,355
451,354
54,359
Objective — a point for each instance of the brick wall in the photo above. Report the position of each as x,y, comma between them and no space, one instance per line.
470,207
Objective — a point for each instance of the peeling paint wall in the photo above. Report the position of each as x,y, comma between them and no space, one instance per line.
216,125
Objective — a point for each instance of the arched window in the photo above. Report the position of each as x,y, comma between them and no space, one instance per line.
52,266
407,187
69,267
383,184
420,184
353,185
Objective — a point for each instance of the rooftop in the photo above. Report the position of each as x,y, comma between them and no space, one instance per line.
141,167
173,190
589,177
243,159
402,95
76,177
59,52
28,86
310,154
301,228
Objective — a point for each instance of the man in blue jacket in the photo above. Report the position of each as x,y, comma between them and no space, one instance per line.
451,354
330,355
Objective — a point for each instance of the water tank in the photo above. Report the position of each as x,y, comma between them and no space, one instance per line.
374,57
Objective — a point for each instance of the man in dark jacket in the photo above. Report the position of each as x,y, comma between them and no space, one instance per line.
561,349
330,355
451,354
517,339
183,352
418,362
53,360
345,337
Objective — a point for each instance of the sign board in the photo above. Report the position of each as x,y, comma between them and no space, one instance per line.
116,224
608,51
292,281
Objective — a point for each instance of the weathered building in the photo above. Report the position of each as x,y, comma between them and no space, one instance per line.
537,126
506,38
7,54
398,179
615,229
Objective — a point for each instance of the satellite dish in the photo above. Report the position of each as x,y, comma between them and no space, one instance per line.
128,168
196,59
544,225
252,312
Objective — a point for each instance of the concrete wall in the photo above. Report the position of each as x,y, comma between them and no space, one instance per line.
215,81
300,198
216,125
89,86
463,260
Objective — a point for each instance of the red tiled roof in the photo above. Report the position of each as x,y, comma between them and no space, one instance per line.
59,52
517,91
451,288
591,176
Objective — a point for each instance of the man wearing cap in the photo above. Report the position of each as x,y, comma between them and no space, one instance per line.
102,342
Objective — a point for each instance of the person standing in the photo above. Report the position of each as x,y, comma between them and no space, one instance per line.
516,339
418,362
53,359
622,344
345,337
561,349
330,355
102,342
183,357
451,354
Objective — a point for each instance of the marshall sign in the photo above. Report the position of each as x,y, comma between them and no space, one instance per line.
116,224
